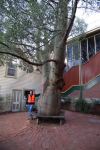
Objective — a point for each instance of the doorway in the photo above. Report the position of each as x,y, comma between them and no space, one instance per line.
16,101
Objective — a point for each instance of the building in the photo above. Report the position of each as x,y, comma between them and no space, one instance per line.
83,57
15,85
83,47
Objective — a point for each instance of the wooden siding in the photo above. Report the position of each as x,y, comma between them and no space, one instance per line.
22,81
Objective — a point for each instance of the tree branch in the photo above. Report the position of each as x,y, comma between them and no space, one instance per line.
26,60
22,44
4,44
71,21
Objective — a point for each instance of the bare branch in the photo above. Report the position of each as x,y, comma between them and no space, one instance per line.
54,2
92,9
71,21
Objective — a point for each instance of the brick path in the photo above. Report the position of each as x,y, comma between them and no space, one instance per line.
80,132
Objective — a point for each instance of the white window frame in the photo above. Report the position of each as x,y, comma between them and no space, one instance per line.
7,66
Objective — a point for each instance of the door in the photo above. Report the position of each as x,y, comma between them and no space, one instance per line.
17,99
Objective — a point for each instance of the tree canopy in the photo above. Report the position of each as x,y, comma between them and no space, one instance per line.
28,28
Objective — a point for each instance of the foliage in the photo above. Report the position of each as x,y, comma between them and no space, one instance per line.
32,26
96,102
82,105
79,27
65,100
27,25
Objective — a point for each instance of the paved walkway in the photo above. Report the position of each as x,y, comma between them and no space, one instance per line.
80,132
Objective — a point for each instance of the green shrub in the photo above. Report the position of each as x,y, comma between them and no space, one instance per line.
97,102
82,106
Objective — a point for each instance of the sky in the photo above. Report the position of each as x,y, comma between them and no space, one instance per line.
92,18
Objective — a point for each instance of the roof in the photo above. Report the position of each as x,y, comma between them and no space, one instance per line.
84,35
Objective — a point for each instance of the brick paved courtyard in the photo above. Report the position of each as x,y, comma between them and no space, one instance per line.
80,132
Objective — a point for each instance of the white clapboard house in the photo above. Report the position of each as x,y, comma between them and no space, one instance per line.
15,85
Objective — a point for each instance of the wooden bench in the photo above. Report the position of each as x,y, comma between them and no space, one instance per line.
60,118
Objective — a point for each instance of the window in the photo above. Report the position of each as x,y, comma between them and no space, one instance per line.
84,50
91,47
11,69
76,52
70,55
97,37
69,52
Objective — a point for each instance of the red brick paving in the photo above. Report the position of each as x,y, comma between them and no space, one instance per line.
80,132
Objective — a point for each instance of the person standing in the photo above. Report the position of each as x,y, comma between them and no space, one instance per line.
31,103
31,106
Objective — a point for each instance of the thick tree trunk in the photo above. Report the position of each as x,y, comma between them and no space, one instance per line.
49,103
